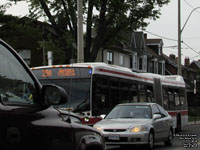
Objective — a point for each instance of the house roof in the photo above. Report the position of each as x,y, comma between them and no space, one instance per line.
175,65
197,63
170,61
152,53
153,41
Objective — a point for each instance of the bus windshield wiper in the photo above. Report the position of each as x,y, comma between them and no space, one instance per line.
83,102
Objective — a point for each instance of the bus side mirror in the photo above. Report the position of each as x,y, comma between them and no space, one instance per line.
53,95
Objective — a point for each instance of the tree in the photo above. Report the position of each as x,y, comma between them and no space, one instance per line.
105,17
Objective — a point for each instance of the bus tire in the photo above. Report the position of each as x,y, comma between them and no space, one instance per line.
178,123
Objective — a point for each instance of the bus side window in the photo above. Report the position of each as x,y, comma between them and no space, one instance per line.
165,99
124,91
150,96
142,91
114,91
171,99
182,99
100,102
133,92
177,100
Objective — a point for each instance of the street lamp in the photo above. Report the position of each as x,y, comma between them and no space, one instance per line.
189,18
179,33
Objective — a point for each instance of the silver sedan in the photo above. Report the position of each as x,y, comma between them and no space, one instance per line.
137,124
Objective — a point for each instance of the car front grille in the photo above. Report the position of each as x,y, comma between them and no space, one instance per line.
114,130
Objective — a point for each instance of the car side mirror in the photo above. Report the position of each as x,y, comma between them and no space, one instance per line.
54,95
156,116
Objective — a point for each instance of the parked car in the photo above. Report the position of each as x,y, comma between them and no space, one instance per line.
27,118
137,124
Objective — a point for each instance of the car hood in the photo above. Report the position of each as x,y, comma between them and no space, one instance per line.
122,123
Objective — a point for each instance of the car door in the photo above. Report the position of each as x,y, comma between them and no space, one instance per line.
167,121
24,121
157,123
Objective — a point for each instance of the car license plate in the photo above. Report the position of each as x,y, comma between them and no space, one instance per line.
113,137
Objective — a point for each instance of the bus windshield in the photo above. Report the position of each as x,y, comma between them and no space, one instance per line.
78,91
75,81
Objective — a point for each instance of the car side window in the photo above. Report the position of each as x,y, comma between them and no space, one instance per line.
163,112
155,109
16,85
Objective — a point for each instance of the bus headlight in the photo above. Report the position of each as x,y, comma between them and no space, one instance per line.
86,119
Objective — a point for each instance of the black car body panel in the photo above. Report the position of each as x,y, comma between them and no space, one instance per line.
28,121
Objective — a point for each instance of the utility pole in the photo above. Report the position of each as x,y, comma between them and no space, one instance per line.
80,52
179,38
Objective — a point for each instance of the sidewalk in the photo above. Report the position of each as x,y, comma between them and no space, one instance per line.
193,122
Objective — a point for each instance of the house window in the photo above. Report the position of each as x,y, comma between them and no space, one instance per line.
160,68
110,57
121,60
135,61
140,63
131,61
143,63
151,66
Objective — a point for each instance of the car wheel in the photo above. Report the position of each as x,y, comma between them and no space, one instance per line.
169,141
150,141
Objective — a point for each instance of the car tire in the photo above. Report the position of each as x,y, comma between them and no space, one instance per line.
150,144
169,141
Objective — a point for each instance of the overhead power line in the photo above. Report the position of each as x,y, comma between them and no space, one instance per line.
191,48
188,47
161,36
190,5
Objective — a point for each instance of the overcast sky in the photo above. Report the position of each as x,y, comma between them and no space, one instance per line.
165,27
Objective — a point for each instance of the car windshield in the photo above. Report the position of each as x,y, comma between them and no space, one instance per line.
130,111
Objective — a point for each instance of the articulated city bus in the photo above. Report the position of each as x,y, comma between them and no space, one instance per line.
95,88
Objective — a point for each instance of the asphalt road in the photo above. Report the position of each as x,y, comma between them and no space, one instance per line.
187,139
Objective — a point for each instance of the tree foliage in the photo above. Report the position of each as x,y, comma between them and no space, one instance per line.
103,20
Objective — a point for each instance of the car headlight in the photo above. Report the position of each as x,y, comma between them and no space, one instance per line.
98,128
138,129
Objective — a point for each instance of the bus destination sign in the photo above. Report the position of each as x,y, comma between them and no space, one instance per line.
61,73
58,73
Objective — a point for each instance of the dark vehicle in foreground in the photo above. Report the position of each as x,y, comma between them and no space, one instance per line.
137,124
27,119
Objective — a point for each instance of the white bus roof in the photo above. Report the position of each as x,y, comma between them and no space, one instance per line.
123,72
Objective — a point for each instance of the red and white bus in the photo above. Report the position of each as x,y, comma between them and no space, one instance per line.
95,88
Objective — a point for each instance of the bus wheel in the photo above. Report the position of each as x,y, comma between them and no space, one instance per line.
178,123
